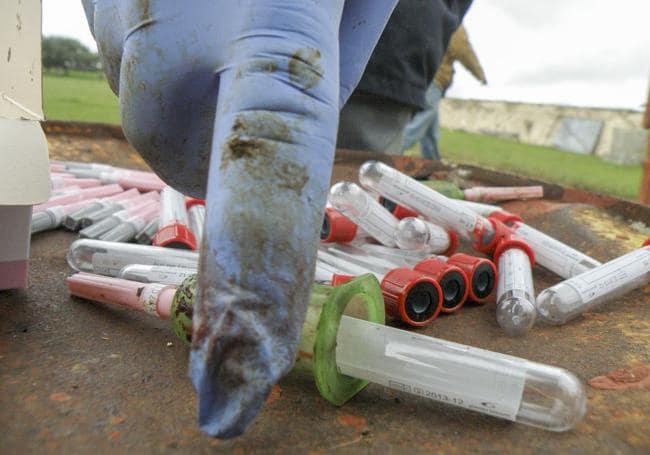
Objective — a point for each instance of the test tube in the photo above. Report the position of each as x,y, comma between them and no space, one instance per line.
82,194
108,258
495,384
196,217
399,257
143,181
589,290
145,236
515,292
400,212
324,272
363,210
337,228
52,217
72,221
95,230
503,193
410,193
479,207
135,220
411,297
116,206
174,231
421,235
156,273
57,181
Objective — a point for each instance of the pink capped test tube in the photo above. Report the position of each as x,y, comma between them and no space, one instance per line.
87,193
52,217
72,221
130,226
144,181
174,231
116,206
503,193
60,182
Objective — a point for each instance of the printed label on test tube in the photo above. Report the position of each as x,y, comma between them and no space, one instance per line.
400,188
584,292
155,273
196,219
138,217
364,210
174,231
553,254
515,292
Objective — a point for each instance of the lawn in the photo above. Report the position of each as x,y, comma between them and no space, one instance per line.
86,97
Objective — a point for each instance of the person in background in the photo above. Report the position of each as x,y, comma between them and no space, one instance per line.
393,86
425,125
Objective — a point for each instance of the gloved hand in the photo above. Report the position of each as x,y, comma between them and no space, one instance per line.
244,94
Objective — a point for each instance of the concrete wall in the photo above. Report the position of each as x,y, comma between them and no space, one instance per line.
539,123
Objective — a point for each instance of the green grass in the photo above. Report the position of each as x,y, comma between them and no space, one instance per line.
86,97
545,163
79,96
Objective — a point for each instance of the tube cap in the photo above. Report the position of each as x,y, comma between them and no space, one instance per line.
512,241
175,236
505,217
190,201
411,296
646,243
337,228
452,280
500,231
338,279
482,275
397,210
453,243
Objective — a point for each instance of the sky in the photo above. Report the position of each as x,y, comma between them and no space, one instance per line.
575,52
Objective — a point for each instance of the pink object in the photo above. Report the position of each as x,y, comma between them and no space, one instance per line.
503,193
62,175
13,274
64,190
57,167
152,298
87,193
60,182
128,194
144,181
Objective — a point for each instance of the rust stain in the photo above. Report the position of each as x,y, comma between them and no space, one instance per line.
275,395
60,396
304,67
636,377
116,420
352,421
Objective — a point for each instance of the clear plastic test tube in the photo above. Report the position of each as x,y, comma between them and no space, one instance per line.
156,273
196,217
132,224
82,194
95,230
116,206
570,298
364,210
515,292
145,236
495,384
108,258
420,235
72,221
174,231
52,217
410,193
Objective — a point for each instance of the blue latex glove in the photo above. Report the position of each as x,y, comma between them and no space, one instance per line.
244,94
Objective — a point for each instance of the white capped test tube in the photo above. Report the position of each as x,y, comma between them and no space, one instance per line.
81,195
52,217
116,206
95,230
587,291
156,273
364,210
495,384
420,235
108,258
196,217
174,231
72,221
137,219
145,236
410,193
515,292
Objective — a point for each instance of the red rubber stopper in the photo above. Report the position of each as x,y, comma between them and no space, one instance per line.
646,243
175,236
500,231
411,296
337,228
470,265
437,270
190,201
338,280
453,243
505,217
398,211
513,241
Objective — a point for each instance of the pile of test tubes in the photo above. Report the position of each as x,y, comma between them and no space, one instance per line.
401,231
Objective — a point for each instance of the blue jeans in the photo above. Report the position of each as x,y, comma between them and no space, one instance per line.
425,126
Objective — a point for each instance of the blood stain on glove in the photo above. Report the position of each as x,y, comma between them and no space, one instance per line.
304,67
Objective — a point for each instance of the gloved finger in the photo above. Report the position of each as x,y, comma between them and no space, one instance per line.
168,87
361,26
269,171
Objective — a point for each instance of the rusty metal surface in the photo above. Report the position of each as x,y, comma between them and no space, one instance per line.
80,377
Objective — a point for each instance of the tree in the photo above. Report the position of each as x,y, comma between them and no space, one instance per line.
67,54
